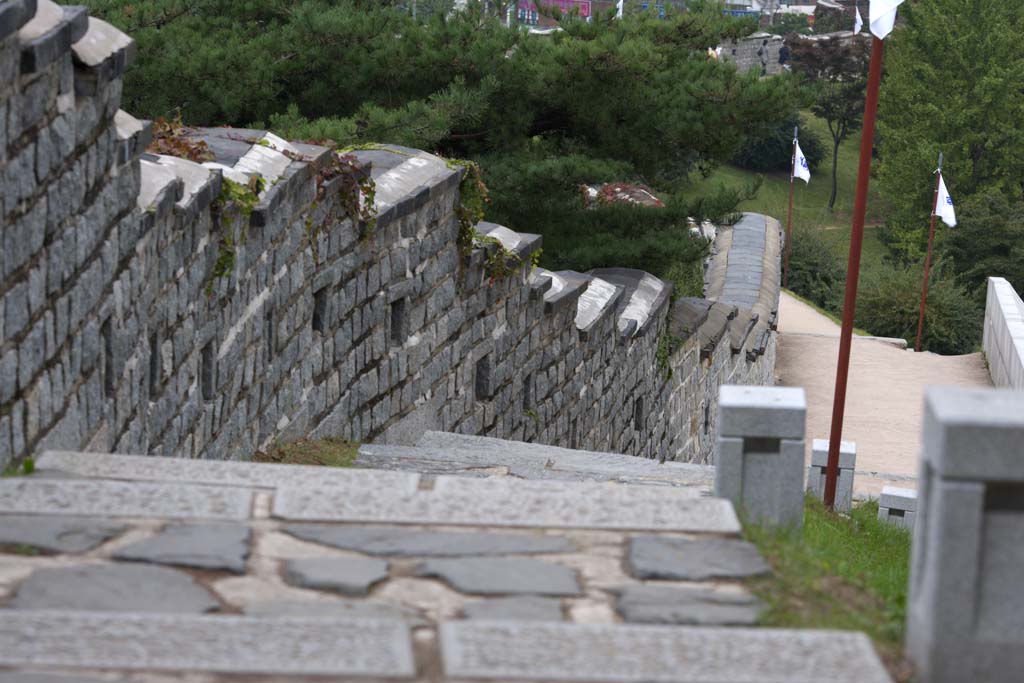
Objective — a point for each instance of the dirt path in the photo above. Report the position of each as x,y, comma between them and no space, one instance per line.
884,393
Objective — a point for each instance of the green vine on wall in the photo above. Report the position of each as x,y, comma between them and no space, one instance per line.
243,197
357,193
667,345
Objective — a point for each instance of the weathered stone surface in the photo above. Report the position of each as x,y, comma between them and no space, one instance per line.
26,677
244,474
56,534
361,609
30,495
227,644
657,557
669,654
204,546
346,575
697,606
765,412
504,502
492,576
113,588
526,608
974,434
406,543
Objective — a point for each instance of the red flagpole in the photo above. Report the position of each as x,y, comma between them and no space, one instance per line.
853,270
928,259
789,219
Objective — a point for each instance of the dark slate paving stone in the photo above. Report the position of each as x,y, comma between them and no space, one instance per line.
649,604
56,534
203,546
527,608
347,575
493,576
655,557
113,588
335,608
403,543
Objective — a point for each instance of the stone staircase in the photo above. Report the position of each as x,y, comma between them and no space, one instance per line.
460,559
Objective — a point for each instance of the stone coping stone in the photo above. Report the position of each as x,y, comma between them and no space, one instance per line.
643,295
658,557
508,502
409,543
40,677
772,412
222,472
503,576
325,646
335,608
847,454
203,546
691,606
57,534
543,651
524,608
97,497
898,498
112,588
974,434
588,462
345,575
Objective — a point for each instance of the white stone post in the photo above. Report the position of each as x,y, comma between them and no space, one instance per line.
965,616
759,458
898,506
819,463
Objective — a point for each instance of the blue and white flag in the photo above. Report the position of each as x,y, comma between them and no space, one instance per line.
944,204
858,22
618,9
882,15
800,168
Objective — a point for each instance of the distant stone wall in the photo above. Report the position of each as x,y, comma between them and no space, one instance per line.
743,53
1003,338
116,335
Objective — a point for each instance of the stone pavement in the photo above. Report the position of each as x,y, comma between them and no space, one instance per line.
885,392
135,568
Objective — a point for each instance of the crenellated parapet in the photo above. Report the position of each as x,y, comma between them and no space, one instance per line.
209,308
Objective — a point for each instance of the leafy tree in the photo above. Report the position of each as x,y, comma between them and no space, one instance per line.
791,23
771,149
988,241
817,271
836,69
954,83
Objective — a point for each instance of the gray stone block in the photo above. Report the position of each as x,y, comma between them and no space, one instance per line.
816,472
403,543
57,534
660,557
203,546
766,412
847,454
220,644
974,434
526,608
696,606
536,651
358,609
122,499
346,575
113,588
513,576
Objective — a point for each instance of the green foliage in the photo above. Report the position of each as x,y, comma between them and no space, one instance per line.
328,452
888,304
988,241
841,572
771,148
667,345
954,83
27,466
791,23
244,199
817,271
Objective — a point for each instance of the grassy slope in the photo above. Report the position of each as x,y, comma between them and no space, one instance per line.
810,201
842,573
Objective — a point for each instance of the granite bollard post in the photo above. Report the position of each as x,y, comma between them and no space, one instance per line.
965,617
898,506
819,463
759,459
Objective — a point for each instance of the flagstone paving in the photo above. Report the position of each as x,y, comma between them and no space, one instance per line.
217,572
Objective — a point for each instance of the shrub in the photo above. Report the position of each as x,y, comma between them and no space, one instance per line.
771,149
816,269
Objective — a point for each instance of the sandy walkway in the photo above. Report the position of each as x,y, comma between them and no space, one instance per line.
884,393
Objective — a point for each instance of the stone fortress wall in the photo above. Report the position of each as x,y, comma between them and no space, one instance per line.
116,336
1003,336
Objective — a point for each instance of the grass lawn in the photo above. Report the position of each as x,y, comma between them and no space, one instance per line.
810,201
842,573
326,452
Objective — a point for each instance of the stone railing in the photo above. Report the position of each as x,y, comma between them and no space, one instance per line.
142,312
1003,339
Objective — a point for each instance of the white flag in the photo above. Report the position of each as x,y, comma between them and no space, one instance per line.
944,205
800,168
858,22
618,9
882,15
